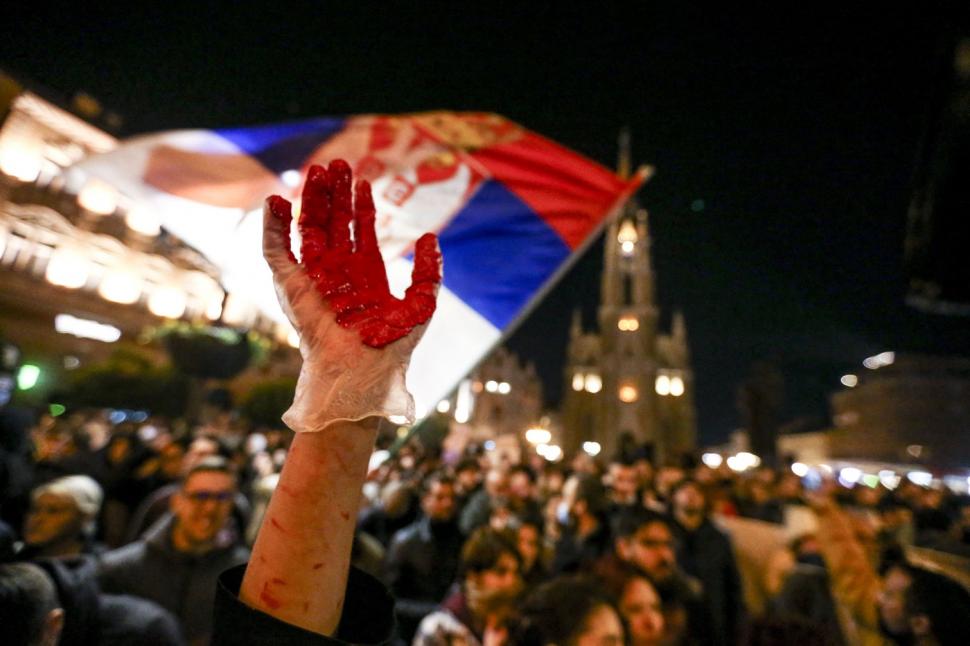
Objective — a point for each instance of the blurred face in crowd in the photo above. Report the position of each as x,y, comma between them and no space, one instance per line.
892,601
651,550
520,486
201,509
640,606
689,505
789,487
528,543
503,579
601,628
624,483
497,483
438,503
468,479
52,519
667,477
170,460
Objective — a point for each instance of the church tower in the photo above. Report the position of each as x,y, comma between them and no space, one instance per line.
629,380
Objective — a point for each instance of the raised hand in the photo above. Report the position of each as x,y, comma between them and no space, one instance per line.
339,291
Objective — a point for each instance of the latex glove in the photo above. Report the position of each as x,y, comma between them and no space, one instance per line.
356,338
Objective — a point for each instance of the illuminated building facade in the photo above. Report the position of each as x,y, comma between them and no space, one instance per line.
82,266
629,378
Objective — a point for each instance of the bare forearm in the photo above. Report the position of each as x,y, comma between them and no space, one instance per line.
298,570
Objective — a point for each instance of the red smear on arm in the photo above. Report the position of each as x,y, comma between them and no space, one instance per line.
268,599
274,523
345,515
317,566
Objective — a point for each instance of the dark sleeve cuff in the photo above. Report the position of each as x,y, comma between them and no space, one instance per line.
368,616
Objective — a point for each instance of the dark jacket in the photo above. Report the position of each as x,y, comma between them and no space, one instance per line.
421,565
706,554
576,554
93,618
368,616
183,584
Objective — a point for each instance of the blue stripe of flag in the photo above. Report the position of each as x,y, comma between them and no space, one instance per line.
498,253
283,146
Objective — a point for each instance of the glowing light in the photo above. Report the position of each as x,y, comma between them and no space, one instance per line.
550,452
662,385
20,164
850,475
750,460
491,386
238,311
593,383
921,478
734,464
880,360
628,394
826,468
538,436
578,381
870,480
504,388
592,448
627,233
915,450
850,381
463,402
397,419
444,406
628,324
120,287
98,197
291,178
67,268
627,248
712,460
402,431
489,445
167,302
86,328
799,469
214,309
57,410
143,220
71,362
27,376
676,386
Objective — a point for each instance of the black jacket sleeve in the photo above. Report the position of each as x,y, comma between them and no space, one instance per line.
368,616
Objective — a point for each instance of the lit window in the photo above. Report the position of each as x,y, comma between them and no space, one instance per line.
593,383
662,385
491,386
676,386
628,394
628,324
578,381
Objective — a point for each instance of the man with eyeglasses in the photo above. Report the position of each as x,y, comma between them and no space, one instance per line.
177,563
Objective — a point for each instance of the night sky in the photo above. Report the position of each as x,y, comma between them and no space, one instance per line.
784,144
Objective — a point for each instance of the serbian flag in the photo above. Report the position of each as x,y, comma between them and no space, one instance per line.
510,208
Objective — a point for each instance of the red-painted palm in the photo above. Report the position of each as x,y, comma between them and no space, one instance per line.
356,338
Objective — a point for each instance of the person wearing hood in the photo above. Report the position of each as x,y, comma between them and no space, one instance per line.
178,563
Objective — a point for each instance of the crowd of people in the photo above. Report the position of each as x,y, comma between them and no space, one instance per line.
129,526
141,531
